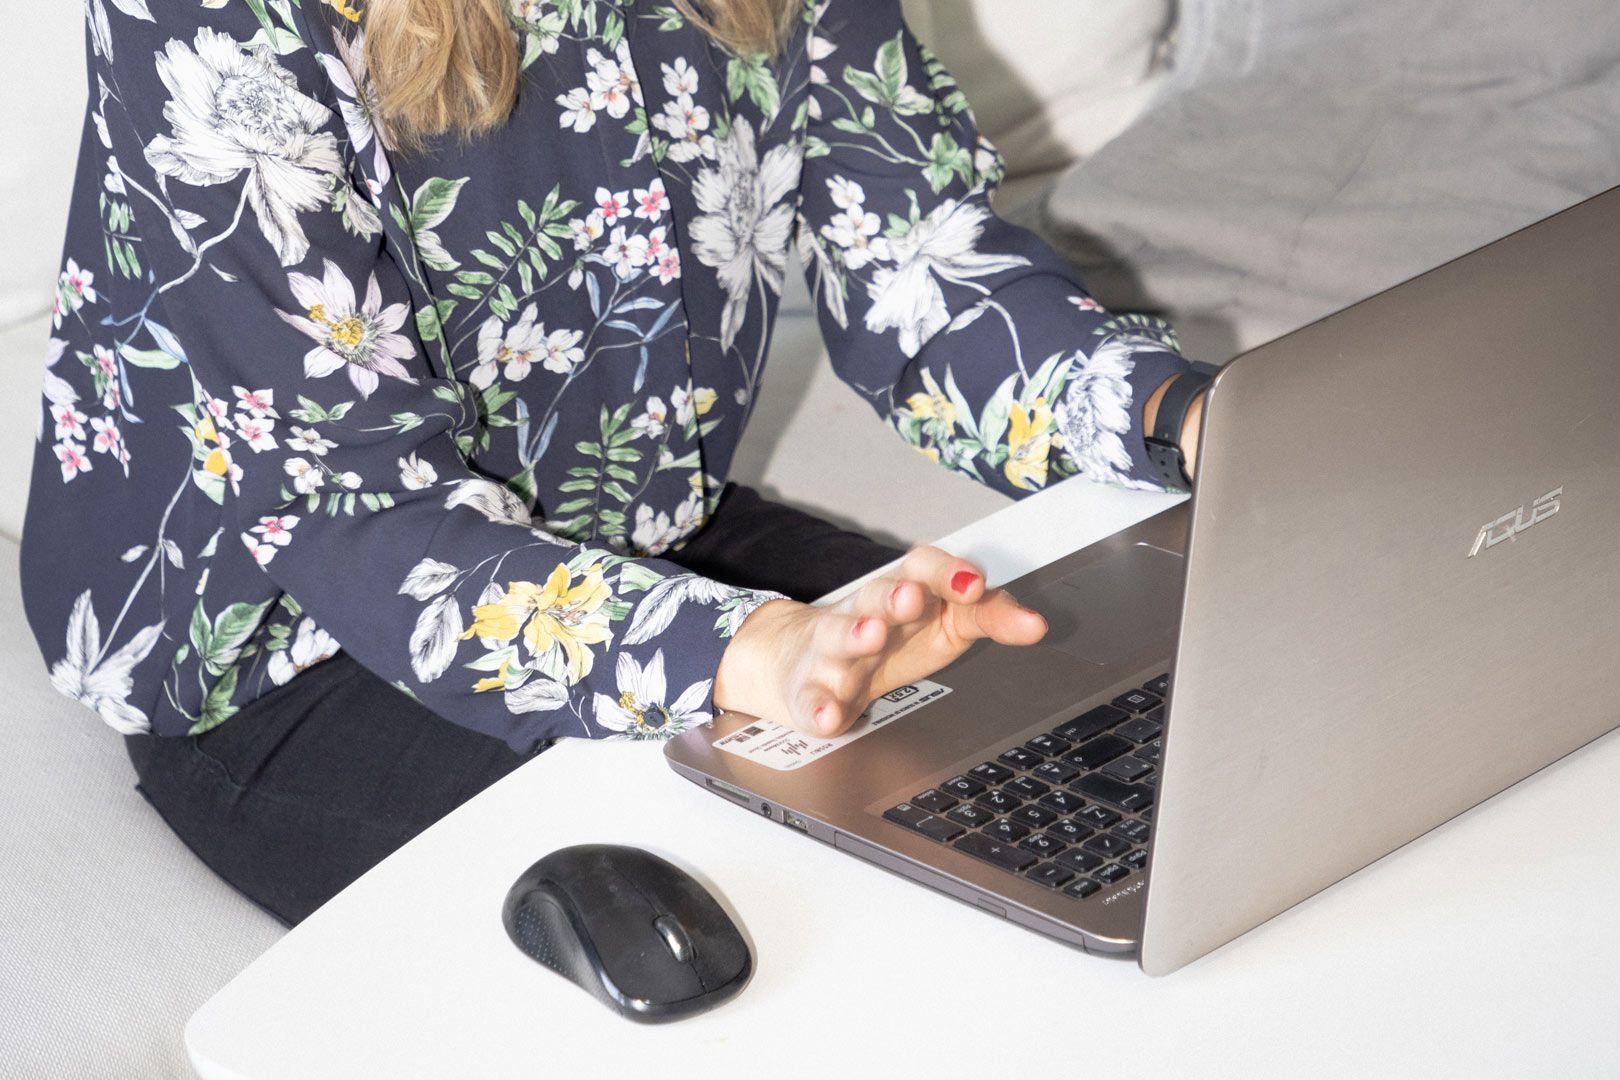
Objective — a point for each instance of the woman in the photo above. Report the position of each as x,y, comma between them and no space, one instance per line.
427,332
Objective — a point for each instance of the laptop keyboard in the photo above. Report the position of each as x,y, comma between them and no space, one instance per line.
1068,809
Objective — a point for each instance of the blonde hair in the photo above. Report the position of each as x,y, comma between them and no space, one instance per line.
451,66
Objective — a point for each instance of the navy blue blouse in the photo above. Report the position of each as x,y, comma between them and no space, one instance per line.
446,409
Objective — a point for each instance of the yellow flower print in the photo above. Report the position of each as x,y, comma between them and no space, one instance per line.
931,403
1029,444
559,615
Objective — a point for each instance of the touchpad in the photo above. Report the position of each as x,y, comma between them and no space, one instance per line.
1126,605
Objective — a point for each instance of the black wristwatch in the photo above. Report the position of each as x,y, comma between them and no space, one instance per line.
1164,441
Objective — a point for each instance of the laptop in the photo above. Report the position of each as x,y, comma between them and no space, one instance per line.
1393,595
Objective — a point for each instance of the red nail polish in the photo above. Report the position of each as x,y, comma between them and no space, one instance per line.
860,625
894,593
963,580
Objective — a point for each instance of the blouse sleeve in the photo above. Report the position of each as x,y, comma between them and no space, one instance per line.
970,335
338,453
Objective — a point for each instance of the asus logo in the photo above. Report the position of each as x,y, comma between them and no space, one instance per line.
1511,524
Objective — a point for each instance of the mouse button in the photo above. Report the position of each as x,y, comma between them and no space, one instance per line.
669,928
719,953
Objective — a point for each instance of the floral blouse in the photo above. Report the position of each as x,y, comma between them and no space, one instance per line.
446,410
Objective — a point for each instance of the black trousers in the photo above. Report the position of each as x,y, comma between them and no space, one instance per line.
315,783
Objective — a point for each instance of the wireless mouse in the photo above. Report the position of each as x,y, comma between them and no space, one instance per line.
630,928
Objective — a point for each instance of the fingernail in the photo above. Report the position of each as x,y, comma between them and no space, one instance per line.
860,625
824,718
894,593
963,580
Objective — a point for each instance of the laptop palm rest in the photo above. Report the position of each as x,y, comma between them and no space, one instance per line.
1125,606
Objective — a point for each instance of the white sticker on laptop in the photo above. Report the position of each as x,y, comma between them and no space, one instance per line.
784,749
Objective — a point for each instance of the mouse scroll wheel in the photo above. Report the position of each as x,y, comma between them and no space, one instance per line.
680,946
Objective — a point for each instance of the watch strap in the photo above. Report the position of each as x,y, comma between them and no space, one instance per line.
1164,441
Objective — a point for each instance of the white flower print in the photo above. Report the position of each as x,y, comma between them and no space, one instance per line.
687,125
587,230
691,404
612,82
69,422
305,476
277,530
364,341
612,205
652,201
310,645
1095,414
73,291
655,532
256,432
232,112
679,78
747,219
654,420
639,711
109,440
563,352
416,474
854,229
349,72
577,111
941,247
626,253
516,347
70,455
309,441
256,402
104,682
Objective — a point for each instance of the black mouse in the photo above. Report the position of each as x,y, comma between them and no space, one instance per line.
630,928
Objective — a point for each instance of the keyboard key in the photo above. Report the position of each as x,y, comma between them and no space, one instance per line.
1019,758
1070,832
1102,749
1026,787
971,816
1151,781
1111,873
1127,768
1007,832
1152,751
1036,817
1136,701
1049,745
1051,875
1134,831
991,773
1107,845
1155,714
1003,855
1081,888
999,801
1098,817
934,801
1159,685
1090,723
1081,862
961,787
1055,772
1136,859
1064,802
1139,730
914,817
1129,797
907,815
940,829
1042,845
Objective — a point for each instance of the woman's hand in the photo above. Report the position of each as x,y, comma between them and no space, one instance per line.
817,668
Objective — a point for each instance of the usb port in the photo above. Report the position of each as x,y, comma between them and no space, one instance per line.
796,821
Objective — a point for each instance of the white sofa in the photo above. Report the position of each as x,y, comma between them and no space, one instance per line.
110,932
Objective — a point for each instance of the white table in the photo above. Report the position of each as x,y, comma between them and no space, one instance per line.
1489,947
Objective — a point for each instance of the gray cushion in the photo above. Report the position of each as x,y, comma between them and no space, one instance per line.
112,932
1308,153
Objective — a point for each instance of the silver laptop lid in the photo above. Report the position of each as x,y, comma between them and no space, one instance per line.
1403,593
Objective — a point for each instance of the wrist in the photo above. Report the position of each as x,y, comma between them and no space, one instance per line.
743,677
1186,439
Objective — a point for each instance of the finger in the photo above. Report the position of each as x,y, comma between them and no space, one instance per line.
818,711
841,636
892,599
954,580
1000,618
